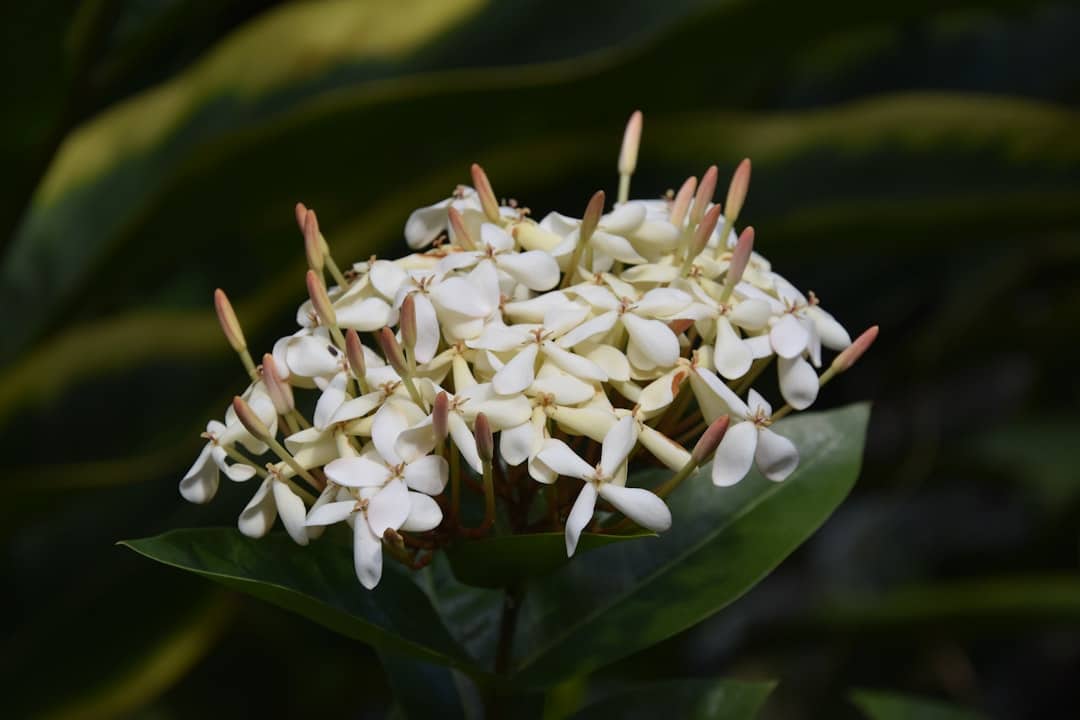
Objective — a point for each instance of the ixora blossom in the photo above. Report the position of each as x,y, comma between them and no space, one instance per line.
521,364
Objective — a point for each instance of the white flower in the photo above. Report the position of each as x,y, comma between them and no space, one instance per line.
426,223
638,504
609,241
396,283
535,269
273,498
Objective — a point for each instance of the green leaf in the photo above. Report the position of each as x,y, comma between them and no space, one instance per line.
691,698
422,690
878,705
317,582
627,596
510,559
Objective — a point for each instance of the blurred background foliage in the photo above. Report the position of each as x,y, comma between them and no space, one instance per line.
915,163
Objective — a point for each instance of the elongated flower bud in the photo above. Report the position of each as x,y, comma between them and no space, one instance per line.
485,442
440,416
593,211
229,324
855,350
681,203
461,233
391,350
407,322
704,231
710,439
320,300
741,257
705,191
313,247
487,195
354,350
251,422
300,210
740,182
630,143
280,392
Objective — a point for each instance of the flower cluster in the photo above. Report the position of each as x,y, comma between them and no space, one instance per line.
521,366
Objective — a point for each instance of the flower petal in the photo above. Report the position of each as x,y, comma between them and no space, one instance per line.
638,504
259,515
427,328
516,443
534,269
388,424
798,382
579,516
517,374
357,472
330,513
364,315
367,554
427,474
465,442
388,508
618,442
735,454
599,325
558,456
788,336
732,356
292,512
424,514
776,456
200,484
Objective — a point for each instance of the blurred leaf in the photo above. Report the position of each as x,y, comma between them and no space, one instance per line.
629,596
317,582
422,690
498,562
692,699
879,705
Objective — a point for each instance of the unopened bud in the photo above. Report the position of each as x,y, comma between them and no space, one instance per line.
440,416
354,350
704,231
229,324
487,195
407,322
391,350
630,143
681,203
485,442
457,224
593,212
855,350
736,194
740,258
393,537
301,215
312,245
705,191
247,417
320,300
710,440
280,392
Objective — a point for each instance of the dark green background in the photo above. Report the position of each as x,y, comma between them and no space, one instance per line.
917,164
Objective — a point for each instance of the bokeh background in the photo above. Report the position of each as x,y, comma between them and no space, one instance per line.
915,163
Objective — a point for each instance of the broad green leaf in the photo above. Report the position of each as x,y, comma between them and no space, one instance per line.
625,597
498,562
689,699
317,582
422,690
877,705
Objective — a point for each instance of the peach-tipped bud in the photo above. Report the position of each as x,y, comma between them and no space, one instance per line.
487,195
630,143
485,442
312,244
736,194
407,321
280,392
393,537
740,258
251,422
710,440
229,324
354,350
681,203
320,300
461,233
705,191
440,416
391,350
591,219
704,231
300,211
855,350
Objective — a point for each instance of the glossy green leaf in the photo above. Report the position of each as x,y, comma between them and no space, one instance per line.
628,596
877,705
317,582
686,699
499,562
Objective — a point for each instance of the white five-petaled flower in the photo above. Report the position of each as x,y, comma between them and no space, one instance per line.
606,481
535,269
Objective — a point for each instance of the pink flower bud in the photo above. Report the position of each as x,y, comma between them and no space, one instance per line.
229,324
704,231
407,321
593,211
630,144
251,422
681,203
461,233
705,191
312,245
280,392
300,211
855,350
710,439
740,182
320,300
487,195
440,416
485,442
354,350
391,350
741,257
